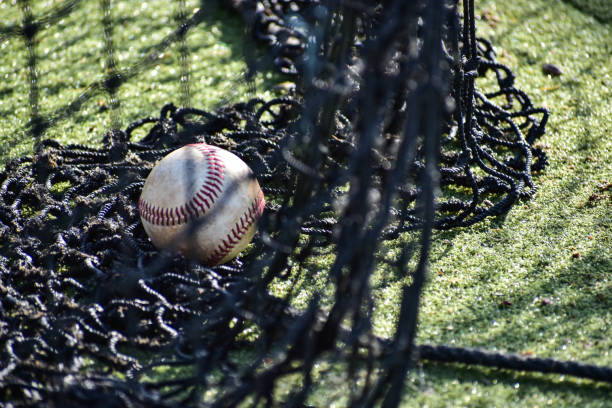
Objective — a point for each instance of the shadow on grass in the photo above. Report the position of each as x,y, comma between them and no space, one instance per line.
525,383
136,70
600,9
537,303
235,36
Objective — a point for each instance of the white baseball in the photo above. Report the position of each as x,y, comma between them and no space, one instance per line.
203,202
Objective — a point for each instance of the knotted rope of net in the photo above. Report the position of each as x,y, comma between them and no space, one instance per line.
91,311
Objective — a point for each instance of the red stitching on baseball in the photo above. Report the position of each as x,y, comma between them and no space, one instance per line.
212,186
192,208
242,226
202,203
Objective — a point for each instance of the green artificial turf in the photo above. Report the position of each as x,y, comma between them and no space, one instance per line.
71,56
535,282
538,281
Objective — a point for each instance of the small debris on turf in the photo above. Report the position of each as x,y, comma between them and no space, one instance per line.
604,186
285,87
552,69
597,197
489,17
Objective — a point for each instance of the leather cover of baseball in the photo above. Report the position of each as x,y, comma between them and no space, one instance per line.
203,202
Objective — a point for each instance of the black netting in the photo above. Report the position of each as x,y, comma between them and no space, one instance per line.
384,113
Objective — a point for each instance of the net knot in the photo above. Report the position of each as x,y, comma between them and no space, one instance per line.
116,140
30,28
470,67
113,82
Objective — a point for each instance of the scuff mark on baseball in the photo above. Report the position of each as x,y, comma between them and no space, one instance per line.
203,202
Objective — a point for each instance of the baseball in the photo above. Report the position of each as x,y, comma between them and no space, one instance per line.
203,202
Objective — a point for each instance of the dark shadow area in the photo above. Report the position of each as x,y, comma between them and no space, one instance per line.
524,383
601,10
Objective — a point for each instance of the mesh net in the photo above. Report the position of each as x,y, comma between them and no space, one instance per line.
385,114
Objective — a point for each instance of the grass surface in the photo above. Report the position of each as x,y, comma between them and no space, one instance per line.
71,56
539,280
535,282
